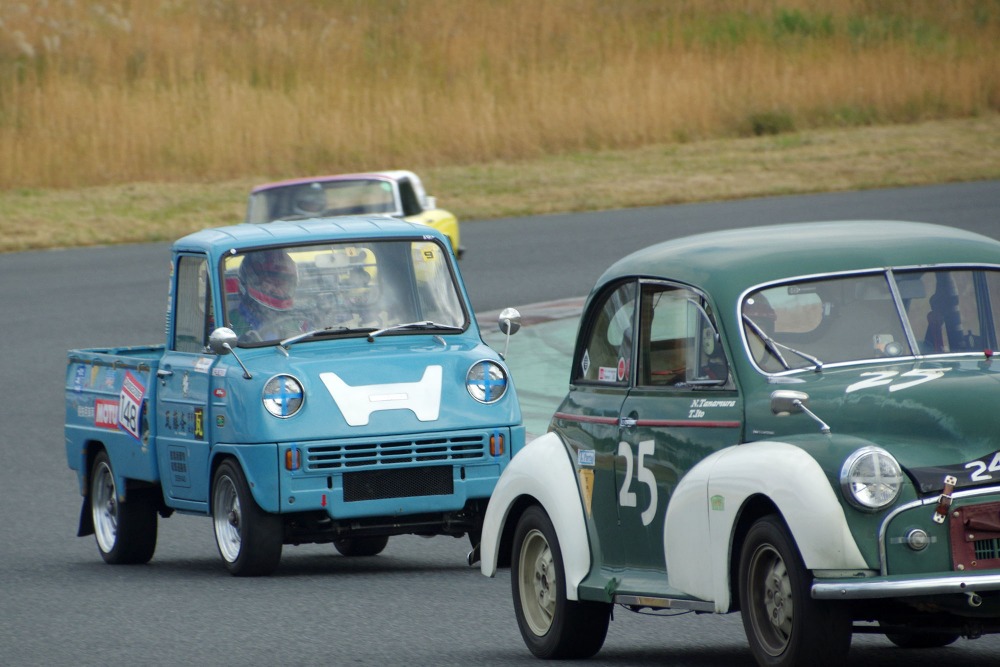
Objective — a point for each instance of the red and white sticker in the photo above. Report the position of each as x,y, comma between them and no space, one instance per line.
105,414
130,404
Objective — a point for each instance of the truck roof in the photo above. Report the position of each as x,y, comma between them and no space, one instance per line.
221,239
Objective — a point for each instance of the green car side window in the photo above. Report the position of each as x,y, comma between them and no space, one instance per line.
607,356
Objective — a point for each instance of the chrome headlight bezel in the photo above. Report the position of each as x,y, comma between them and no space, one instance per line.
871,479
482,380
283,396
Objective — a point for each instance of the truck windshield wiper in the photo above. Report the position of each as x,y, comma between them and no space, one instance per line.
773,346
286,343
412,325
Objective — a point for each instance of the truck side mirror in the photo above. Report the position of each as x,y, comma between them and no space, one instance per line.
222,340
509,322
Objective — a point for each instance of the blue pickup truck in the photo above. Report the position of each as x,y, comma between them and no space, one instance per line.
321,381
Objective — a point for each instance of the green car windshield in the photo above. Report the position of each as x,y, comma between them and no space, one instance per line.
811,323
341,289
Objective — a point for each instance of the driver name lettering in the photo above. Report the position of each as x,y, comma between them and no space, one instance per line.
711,403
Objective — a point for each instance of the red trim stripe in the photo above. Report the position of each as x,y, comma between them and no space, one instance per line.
585,418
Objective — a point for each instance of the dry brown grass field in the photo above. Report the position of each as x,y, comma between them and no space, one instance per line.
134,121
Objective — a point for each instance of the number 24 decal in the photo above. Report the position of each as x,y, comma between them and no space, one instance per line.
627,497
979,474
879,378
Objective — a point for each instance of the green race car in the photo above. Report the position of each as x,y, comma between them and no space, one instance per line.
797,422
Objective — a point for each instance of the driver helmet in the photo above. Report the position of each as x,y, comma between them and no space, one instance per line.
269,278
310,200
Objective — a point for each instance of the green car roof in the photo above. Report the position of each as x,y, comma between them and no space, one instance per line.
726,263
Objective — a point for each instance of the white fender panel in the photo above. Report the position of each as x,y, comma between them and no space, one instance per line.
703,511
542,470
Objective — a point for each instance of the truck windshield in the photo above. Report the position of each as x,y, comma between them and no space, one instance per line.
276,293
853,318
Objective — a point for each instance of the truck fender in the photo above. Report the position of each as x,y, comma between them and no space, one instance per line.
704,510
557,493
260,466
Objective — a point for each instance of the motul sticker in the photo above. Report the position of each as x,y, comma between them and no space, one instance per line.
105,414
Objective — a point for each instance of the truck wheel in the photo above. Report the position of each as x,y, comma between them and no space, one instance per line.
361,546
783,624
249,539
551,625
125,531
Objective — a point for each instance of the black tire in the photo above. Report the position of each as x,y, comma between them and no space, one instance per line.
784,624
248,538
551,625
920,639
361,546
125,531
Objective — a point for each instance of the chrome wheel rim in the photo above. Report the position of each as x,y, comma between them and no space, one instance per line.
537,582
104,507
228,518
771,604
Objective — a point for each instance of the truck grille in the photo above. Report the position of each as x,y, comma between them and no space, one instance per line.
398,483
406,452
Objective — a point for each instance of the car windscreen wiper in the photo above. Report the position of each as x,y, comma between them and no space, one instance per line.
427,324
773,346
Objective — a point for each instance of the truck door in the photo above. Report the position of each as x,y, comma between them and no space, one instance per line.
682,407
184,376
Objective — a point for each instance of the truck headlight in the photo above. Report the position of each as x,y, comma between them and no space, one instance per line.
283,396
486,381
871,478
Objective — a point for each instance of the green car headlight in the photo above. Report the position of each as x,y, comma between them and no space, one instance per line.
871,478
283,396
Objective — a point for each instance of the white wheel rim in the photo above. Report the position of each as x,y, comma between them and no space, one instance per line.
227,518
104,507
537,582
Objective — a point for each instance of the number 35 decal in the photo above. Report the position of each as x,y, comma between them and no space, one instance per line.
879,378
627,497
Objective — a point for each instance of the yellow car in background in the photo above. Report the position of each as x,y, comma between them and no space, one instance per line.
395,193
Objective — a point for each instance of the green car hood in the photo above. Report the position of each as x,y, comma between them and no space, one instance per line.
936,417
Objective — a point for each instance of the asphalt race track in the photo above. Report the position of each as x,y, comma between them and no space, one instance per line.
417,603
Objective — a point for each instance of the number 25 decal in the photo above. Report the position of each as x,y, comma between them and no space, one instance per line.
879,378
627,497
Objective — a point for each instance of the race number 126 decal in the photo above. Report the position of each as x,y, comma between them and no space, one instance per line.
626,496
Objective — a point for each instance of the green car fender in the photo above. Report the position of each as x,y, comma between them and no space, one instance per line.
705,508
540,474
